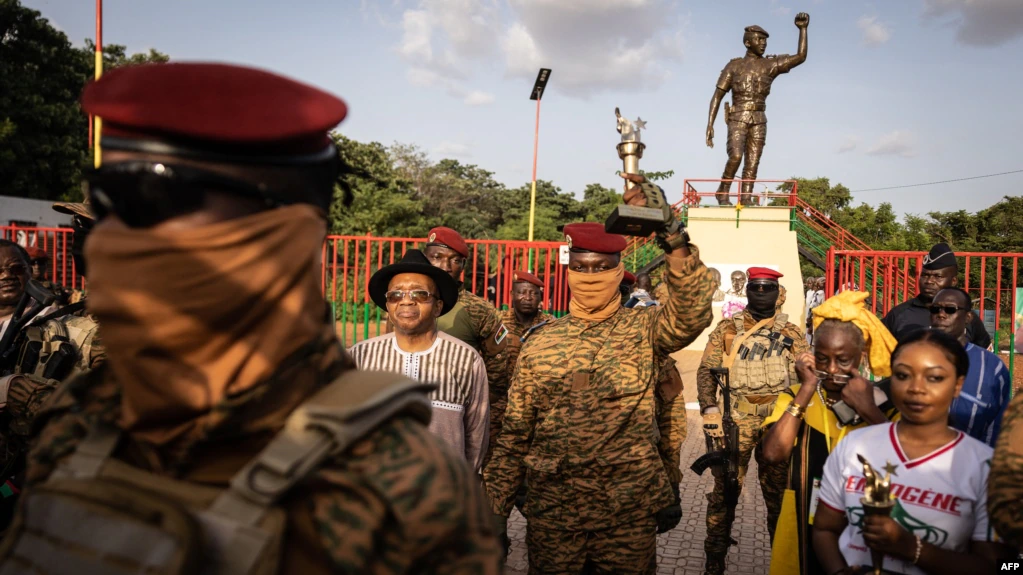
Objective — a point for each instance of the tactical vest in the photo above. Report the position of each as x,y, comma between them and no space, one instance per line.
97,514
763,360
57,349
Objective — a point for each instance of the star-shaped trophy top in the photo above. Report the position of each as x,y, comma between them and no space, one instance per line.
639,124
890,469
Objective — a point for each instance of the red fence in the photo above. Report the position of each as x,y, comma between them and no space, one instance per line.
57,243
991,280
349,262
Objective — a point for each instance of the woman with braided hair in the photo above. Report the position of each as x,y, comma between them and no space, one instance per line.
832,398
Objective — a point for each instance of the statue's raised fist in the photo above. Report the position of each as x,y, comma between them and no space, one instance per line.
802,20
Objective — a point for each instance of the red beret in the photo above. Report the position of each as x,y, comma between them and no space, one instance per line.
628,278
232,109
35,253
448,237
762,274
520,276
591,237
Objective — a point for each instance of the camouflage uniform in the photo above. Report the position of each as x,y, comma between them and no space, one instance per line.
580,428
768,379
509,357
476,322
355,515
1005,484
671,420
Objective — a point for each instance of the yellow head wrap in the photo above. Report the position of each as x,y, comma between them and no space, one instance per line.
849,306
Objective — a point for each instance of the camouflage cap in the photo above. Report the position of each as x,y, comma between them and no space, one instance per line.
74,209
757,30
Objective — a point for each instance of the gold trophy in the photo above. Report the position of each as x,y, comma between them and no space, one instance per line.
631,220
877,500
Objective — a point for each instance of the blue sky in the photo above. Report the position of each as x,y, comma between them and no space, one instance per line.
893,92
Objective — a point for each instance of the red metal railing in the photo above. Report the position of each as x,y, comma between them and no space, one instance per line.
57,243
890,277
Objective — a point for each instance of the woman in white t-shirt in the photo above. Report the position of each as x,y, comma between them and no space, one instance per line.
939,524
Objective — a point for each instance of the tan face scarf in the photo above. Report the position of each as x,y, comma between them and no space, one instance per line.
595,297
191,318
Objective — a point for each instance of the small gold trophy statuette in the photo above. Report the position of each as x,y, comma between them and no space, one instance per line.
632,220
877,500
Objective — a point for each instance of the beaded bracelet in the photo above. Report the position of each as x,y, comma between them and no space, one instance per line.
919,549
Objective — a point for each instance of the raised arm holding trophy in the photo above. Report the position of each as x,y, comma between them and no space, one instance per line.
656,215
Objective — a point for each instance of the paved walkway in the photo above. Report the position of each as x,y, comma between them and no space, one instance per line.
680,551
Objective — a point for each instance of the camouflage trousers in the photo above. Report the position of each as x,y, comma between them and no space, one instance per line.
497,408
772,482
627,549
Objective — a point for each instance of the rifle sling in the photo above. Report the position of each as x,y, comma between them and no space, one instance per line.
737,342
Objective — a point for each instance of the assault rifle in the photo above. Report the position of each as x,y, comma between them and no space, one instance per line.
723,452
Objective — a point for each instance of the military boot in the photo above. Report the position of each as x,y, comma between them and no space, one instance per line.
715,564
746,196
722,194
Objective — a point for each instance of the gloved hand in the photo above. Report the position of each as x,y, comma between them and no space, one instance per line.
669,517
646,194
501,530
712,425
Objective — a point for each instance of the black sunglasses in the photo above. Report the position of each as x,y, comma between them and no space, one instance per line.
949,309
762,287
143,194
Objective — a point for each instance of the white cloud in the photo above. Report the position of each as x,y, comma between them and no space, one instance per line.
979,22
896,143
594,45
778,10
442,39
874,31
848,144
452,150
477,98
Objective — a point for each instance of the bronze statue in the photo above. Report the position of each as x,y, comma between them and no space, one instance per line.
749,78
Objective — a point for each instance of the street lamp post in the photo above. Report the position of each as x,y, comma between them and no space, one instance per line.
536,94
99,72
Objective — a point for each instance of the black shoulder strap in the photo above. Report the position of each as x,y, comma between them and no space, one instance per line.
66,310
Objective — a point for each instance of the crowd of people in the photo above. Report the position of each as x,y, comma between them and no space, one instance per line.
219,425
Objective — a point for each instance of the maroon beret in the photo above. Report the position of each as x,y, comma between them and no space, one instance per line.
628,278
591,237
762,274
449,238
521,276
200,106
35,253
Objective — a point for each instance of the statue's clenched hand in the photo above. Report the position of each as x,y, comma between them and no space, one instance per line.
802,20
710,136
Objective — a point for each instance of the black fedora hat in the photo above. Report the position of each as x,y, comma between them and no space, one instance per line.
414,262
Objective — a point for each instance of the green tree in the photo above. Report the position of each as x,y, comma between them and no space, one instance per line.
42,130
598,202
383,203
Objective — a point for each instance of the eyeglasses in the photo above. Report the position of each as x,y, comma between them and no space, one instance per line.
416,295
143,194
949,309
837,378
762,288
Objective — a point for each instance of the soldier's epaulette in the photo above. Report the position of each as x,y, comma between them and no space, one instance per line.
530,331
771,55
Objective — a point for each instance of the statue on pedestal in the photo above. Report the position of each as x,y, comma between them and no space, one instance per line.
749,79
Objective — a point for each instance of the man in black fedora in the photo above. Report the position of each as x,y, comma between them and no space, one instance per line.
940,271
415,293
